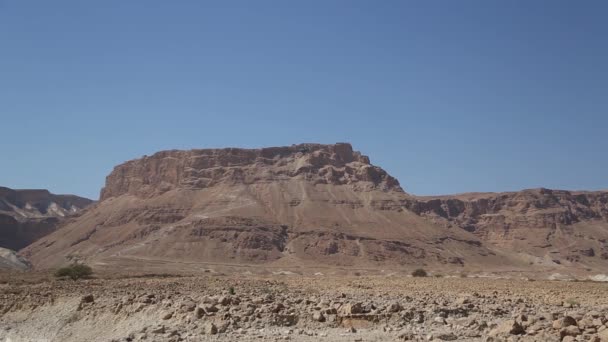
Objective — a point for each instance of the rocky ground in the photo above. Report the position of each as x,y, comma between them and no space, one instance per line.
299,308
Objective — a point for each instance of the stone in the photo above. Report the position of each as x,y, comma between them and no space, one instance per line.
159,329
447,337
224,301
199,312
210,308
571,330
351,309
276,308
439,320
603,335
318,316
188,306
594,314
563,322
88,299
210,329
167,315
394,307
508,327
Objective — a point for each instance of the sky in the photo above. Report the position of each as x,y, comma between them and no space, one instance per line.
447,96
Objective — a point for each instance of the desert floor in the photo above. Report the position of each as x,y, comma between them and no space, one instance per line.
292,307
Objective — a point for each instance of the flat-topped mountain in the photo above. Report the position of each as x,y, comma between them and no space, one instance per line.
199,169
307,204
27,215
318,205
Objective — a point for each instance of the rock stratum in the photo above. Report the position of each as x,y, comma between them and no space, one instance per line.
550,227
313,205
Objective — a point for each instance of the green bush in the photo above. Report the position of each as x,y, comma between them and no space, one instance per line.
74,271
419,273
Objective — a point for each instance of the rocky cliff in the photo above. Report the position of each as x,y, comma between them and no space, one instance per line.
555,224
27,215
198,169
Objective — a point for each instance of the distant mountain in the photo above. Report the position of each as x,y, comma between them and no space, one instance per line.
27,215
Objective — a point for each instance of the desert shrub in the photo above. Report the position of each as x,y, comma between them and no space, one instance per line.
231,291
438,275
573,302
419,272
74,271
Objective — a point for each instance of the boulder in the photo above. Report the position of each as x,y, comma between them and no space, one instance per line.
508,327
318,316
563,322
351,309
210,329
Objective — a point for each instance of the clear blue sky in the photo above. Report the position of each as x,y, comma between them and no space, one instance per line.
447,96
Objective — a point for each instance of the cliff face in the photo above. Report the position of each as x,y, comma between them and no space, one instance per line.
570,225
542,208
198,169
27,215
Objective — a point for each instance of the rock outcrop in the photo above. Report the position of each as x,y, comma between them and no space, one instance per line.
541,208
558,226
9,260
199,169
27,215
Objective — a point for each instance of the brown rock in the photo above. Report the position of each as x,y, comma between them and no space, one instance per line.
351,309
210,308
88,299
199,312
563,322
603,335
571,330
394,307
508,327
318,316
224,300
210,329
